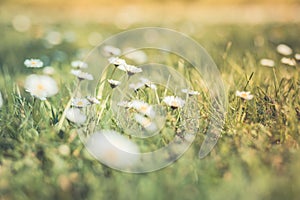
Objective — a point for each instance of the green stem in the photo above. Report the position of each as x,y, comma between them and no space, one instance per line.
62,119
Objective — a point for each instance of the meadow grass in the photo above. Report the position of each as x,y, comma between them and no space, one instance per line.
256,157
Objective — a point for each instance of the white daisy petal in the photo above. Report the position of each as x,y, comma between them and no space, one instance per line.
79,64
143,108
136,86
297,56
93,100
190,92
82,75
41,86
174,102
267,62
148,83
75,115
111,51
288,61
116,61
244,95
113,83
33,63
113,149
284,49
131,70
145,122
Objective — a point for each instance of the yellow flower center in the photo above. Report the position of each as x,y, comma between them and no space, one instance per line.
146,122
143,108
244,95
80,103
175,104
40,87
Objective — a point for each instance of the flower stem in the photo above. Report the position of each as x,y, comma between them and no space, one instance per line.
62,119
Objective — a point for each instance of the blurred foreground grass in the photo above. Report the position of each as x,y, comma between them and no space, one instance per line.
257,158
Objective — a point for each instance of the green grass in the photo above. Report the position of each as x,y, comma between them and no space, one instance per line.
257,156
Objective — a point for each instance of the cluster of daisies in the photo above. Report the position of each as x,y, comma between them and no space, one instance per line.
288,57
144,113
74,113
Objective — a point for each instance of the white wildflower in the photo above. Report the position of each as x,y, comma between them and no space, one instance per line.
148,83
75,115
288,61
130,69
267,62
113,83
284,49
82,75
79,64
244,95
145,122
143,108
41,86
93,100
190,92
297,56
174,102
33,63
116,61
113,149
111,50
136,86
80,102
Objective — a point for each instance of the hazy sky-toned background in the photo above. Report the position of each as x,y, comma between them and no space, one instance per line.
147,11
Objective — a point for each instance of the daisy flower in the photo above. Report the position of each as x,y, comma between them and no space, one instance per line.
82,75
1,100
48,70
113,149
80,102
190,92
41,86
244,95
174,102
111,50
75,115
148,83
93,100
113,83
145,122
284,49
297,56
136,86
143,108
288,61
33,63
130,69
116,61
79,64
267,62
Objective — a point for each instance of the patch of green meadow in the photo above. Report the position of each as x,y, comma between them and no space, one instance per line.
256,157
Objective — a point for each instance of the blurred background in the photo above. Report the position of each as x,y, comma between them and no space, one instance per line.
123,13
